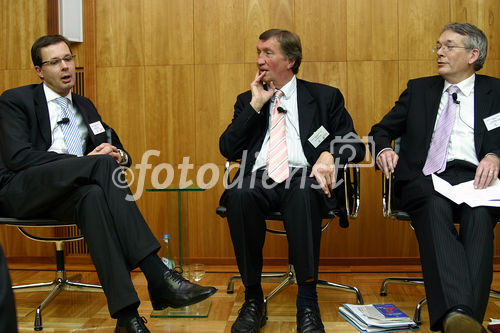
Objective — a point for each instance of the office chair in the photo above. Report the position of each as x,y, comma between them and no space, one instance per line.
390,212
348,198
61,282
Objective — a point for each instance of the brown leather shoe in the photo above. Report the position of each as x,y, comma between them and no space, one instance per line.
458,322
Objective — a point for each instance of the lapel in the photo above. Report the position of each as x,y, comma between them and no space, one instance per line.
42,114
482,106
88,118
432,98
306,108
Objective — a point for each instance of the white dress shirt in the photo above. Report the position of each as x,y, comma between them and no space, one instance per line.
55,114
296,157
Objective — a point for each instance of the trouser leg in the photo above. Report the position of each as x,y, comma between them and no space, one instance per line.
301,209
247,206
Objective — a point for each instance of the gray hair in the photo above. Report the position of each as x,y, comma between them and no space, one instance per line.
474,39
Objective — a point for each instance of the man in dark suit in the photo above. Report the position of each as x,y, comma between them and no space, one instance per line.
8,320
449,126
283,131
55,162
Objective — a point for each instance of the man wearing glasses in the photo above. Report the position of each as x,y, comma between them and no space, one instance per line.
449,126
56,162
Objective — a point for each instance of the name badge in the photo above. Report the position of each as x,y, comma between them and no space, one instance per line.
318,136
492,122
96,127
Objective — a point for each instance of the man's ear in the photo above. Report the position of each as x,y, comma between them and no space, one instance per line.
291,63
474,56
38,70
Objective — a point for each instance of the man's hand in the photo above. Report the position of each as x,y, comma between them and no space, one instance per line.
387,161
324,172
107,149
260,96
487,171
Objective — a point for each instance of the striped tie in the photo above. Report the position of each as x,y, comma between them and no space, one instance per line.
436,157
277,156
70,129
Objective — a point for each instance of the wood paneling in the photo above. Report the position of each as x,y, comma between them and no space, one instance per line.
165,74
218,41
325,39
372,30
419,27
168,32
120,33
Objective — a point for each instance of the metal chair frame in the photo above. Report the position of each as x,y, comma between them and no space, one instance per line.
400,215
288,278
61,282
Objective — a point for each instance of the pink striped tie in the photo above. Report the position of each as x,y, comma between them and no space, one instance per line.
436,157
277,155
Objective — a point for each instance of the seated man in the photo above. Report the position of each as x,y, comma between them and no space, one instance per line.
446,124
55,163
282,130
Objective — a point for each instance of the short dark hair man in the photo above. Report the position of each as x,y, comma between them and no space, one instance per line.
284,127
446,128
55,162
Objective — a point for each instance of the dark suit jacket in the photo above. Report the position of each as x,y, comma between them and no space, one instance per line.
414,115
318,105
25,132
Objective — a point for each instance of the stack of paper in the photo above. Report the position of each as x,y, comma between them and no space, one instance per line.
377,318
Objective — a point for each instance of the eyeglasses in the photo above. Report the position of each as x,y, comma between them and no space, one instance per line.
57,61
446,48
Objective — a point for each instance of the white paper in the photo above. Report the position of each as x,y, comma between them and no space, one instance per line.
318,136
492,122
466,193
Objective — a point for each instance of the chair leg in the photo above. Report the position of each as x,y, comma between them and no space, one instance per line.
342,287
278,277
55,287
417,317
383,288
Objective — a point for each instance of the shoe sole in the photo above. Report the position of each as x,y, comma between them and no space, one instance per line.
162,306
461,323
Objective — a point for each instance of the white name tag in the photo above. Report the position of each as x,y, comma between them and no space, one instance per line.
96,127
318,136
492,122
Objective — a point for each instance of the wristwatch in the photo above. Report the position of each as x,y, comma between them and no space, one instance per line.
123,157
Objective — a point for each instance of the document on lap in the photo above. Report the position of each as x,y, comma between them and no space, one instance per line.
466,193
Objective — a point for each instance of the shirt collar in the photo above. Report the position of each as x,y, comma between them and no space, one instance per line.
51,95
465,87
288,89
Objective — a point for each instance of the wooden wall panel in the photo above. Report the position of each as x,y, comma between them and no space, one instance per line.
168,32
331,73
261,15
170,111
24,22
216,88
419,27
372,30
464,11
218,41
325,39
489,21
119,33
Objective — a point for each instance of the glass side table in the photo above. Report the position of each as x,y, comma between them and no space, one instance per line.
196,310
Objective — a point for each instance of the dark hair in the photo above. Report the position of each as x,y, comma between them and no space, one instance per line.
42,42
289,44
474,39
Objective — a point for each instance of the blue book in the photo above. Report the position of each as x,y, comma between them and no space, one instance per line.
389,310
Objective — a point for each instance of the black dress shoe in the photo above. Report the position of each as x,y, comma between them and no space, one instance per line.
459,322
309,321
251,317
135,325
175,291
